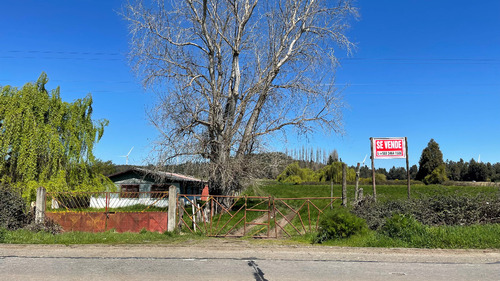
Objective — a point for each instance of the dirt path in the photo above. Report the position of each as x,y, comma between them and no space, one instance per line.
280,225
241,231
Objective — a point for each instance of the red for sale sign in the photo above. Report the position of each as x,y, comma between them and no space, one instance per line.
387,148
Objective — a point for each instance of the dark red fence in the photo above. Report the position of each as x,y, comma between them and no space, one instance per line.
102,211
120,222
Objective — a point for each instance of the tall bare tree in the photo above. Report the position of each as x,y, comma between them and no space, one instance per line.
231,72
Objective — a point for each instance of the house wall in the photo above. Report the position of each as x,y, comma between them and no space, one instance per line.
144,185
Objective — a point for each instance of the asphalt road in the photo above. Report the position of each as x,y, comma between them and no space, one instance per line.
218,260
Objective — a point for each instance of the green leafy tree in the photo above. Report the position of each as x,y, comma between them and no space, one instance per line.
413,172
294,174
437,176
430,159
46,141
398,173
365,172
495,172
380,178
477,171
104,168
333,172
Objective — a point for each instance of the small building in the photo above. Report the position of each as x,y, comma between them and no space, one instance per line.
144,180
138,186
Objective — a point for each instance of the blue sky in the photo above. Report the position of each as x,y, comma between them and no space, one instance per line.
421,69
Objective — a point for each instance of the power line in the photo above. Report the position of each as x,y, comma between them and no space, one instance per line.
423,60
66,52
413,84
409,60
62,55
61,58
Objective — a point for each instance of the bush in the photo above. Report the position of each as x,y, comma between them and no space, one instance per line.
376,214
294,174
380,178
404,227
339,223
3,232
434,210
49,226
12,209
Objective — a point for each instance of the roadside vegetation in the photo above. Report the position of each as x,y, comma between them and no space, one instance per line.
25,236
437,216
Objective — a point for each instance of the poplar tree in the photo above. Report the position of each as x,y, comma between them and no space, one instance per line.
232,75
45,141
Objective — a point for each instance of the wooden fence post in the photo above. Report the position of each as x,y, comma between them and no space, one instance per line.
172,208
344,184
331,192
372,157
193,207
356,186
40,205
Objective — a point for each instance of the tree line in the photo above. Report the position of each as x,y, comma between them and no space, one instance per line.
455,171
431,170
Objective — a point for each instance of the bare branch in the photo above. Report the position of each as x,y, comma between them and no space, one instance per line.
234,71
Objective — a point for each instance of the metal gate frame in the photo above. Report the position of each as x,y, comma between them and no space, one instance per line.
215,216
238,216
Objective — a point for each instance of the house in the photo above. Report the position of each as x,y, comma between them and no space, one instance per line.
147,187
144,180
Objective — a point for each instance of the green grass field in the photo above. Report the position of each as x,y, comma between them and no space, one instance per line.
384,192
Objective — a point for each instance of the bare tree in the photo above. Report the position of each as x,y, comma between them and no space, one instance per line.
231,72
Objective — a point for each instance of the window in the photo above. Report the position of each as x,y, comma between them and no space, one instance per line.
159,190
129,191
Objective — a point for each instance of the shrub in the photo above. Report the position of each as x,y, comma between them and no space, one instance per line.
294,174
380,178
433,210
293,179
376,214
49,226
339,223
12,209
404,227
3,232
292,170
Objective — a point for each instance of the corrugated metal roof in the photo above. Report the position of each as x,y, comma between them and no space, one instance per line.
157,174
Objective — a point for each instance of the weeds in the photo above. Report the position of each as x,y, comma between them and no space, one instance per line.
339,223
434,210
24,236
